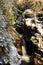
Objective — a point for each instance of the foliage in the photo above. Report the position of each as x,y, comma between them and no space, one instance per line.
6,7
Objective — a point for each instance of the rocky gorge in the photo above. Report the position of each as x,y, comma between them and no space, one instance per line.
21,32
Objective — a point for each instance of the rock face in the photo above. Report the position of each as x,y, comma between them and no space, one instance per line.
8,52
32,35
38,36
